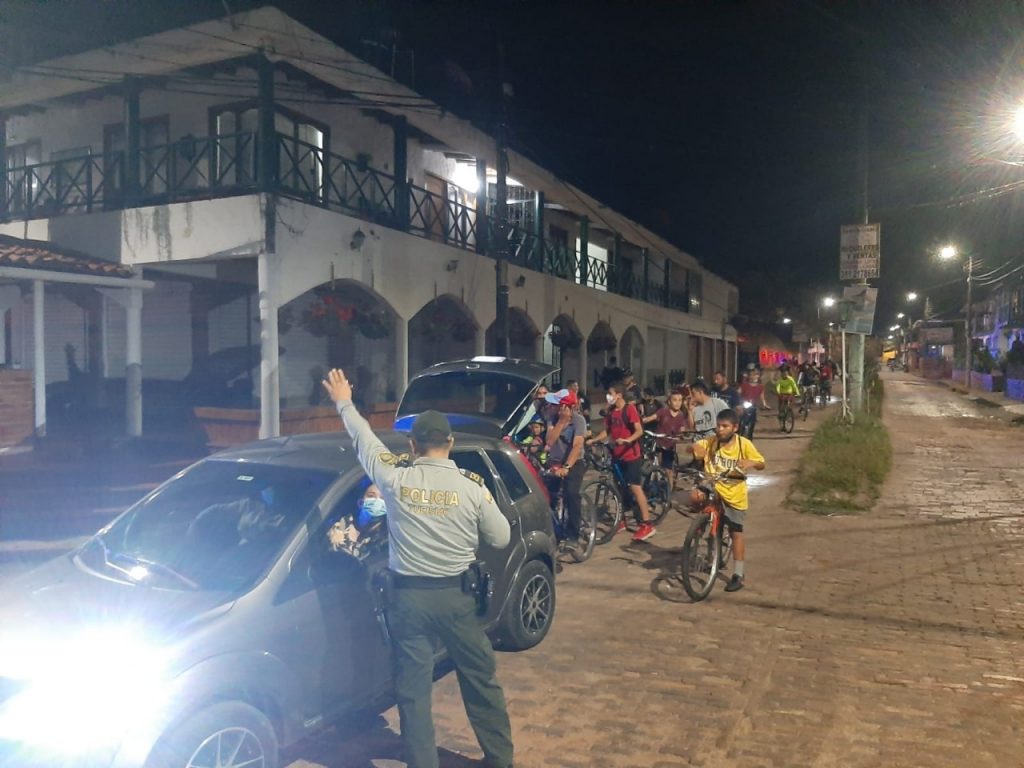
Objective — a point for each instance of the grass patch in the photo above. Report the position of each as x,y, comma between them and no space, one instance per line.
844,467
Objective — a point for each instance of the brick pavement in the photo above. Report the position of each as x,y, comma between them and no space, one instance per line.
890,638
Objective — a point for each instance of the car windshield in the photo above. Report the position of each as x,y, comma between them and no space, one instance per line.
471,393
218,526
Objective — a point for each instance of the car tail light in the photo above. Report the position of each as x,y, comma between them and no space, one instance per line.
532,469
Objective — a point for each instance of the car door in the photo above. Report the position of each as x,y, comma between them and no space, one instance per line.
329,633
503,563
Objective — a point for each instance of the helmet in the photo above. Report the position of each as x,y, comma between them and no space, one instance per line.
563,397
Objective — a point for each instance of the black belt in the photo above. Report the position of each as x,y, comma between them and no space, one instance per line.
402,581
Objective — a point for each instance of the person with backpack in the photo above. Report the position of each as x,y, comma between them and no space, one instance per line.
623,429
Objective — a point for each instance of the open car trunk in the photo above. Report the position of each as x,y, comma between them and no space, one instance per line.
485,396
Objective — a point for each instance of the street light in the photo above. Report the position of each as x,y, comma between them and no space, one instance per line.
911,296
829,301
900,315
1018,122
787,320
947,252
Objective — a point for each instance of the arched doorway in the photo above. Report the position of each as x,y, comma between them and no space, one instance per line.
342,324
631,352
602,345
562,342
522,335
444,329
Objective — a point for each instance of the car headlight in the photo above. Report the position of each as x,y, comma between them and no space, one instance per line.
81,691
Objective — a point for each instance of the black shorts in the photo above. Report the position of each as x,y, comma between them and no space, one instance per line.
668,457
632,471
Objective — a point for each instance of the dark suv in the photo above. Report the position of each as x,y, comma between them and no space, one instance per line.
218,616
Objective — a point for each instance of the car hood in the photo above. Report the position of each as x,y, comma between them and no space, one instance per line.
62,596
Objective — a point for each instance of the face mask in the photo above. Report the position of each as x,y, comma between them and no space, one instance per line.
374,507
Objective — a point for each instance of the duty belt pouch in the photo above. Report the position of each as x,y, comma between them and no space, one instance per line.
382,588
478,582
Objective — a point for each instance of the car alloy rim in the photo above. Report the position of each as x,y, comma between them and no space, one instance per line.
536,604
234,747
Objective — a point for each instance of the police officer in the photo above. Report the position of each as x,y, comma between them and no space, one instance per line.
436,515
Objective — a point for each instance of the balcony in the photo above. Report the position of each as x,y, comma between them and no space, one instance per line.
198,168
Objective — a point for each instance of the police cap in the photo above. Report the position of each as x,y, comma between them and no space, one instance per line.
431,428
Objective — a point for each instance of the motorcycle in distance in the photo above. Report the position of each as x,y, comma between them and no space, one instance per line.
748,419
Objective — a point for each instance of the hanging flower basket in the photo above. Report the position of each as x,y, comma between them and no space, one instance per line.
601,340
374,324
520,331
446,323
564,338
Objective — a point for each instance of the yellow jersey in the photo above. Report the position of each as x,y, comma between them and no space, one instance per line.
721,458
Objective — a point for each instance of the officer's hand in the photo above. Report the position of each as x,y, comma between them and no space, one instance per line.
338,387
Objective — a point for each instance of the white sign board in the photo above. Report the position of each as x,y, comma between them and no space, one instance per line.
859,251
859,305
941,335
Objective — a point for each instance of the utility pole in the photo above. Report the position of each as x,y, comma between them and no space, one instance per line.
969,349
500,216
856,351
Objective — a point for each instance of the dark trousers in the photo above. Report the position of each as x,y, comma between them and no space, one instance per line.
571,485
415,618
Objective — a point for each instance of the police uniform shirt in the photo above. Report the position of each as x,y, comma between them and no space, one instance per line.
437,513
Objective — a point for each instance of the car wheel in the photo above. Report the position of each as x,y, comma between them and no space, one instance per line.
530,608
229,734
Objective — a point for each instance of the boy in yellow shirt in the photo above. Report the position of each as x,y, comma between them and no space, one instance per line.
724,452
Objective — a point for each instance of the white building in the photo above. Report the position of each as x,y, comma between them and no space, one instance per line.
289,201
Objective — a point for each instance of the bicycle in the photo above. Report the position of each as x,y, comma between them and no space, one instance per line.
707,548
806,401
824,393
785,415
611,497
584,544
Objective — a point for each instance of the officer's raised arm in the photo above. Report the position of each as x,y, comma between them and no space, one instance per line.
375,458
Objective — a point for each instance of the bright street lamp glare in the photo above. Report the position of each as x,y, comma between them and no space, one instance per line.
1018,122
900,315
786,320
911,296
947,252
889,336
829,301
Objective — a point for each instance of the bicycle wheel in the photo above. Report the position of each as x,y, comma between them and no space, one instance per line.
604,500
805,410
788,421
584,544
700,558
659,494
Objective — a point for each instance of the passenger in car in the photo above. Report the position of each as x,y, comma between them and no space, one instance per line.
363,530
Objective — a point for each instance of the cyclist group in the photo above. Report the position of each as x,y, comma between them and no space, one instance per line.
704,418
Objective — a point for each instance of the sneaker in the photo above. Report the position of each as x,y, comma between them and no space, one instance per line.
621,526
644,532
735,584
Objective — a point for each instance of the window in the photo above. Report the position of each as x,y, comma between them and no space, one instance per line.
473,461
154,154
510,475
22,181
695,287
302,151
235,130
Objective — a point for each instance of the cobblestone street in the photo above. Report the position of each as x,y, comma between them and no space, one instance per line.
884,639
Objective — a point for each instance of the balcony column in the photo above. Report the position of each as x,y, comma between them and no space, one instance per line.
666,299
39,356
646,293
616,280
538,229
132,140
584,265
3,170
270,398
267,137
482,223
400,130
401,355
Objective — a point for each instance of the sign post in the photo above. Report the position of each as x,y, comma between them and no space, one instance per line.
859,260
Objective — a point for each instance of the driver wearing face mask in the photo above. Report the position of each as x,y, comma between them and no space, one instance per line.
356,533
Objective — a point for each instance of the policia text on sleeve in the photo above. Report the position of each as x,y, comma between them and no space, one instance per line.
437,515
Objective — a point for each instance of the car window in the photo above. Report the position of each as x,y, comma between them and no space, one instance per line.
474,462
478,393
347,531
509,473
217,526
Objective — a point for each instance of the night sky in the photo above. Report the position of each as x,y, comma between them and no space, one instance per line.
733,128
